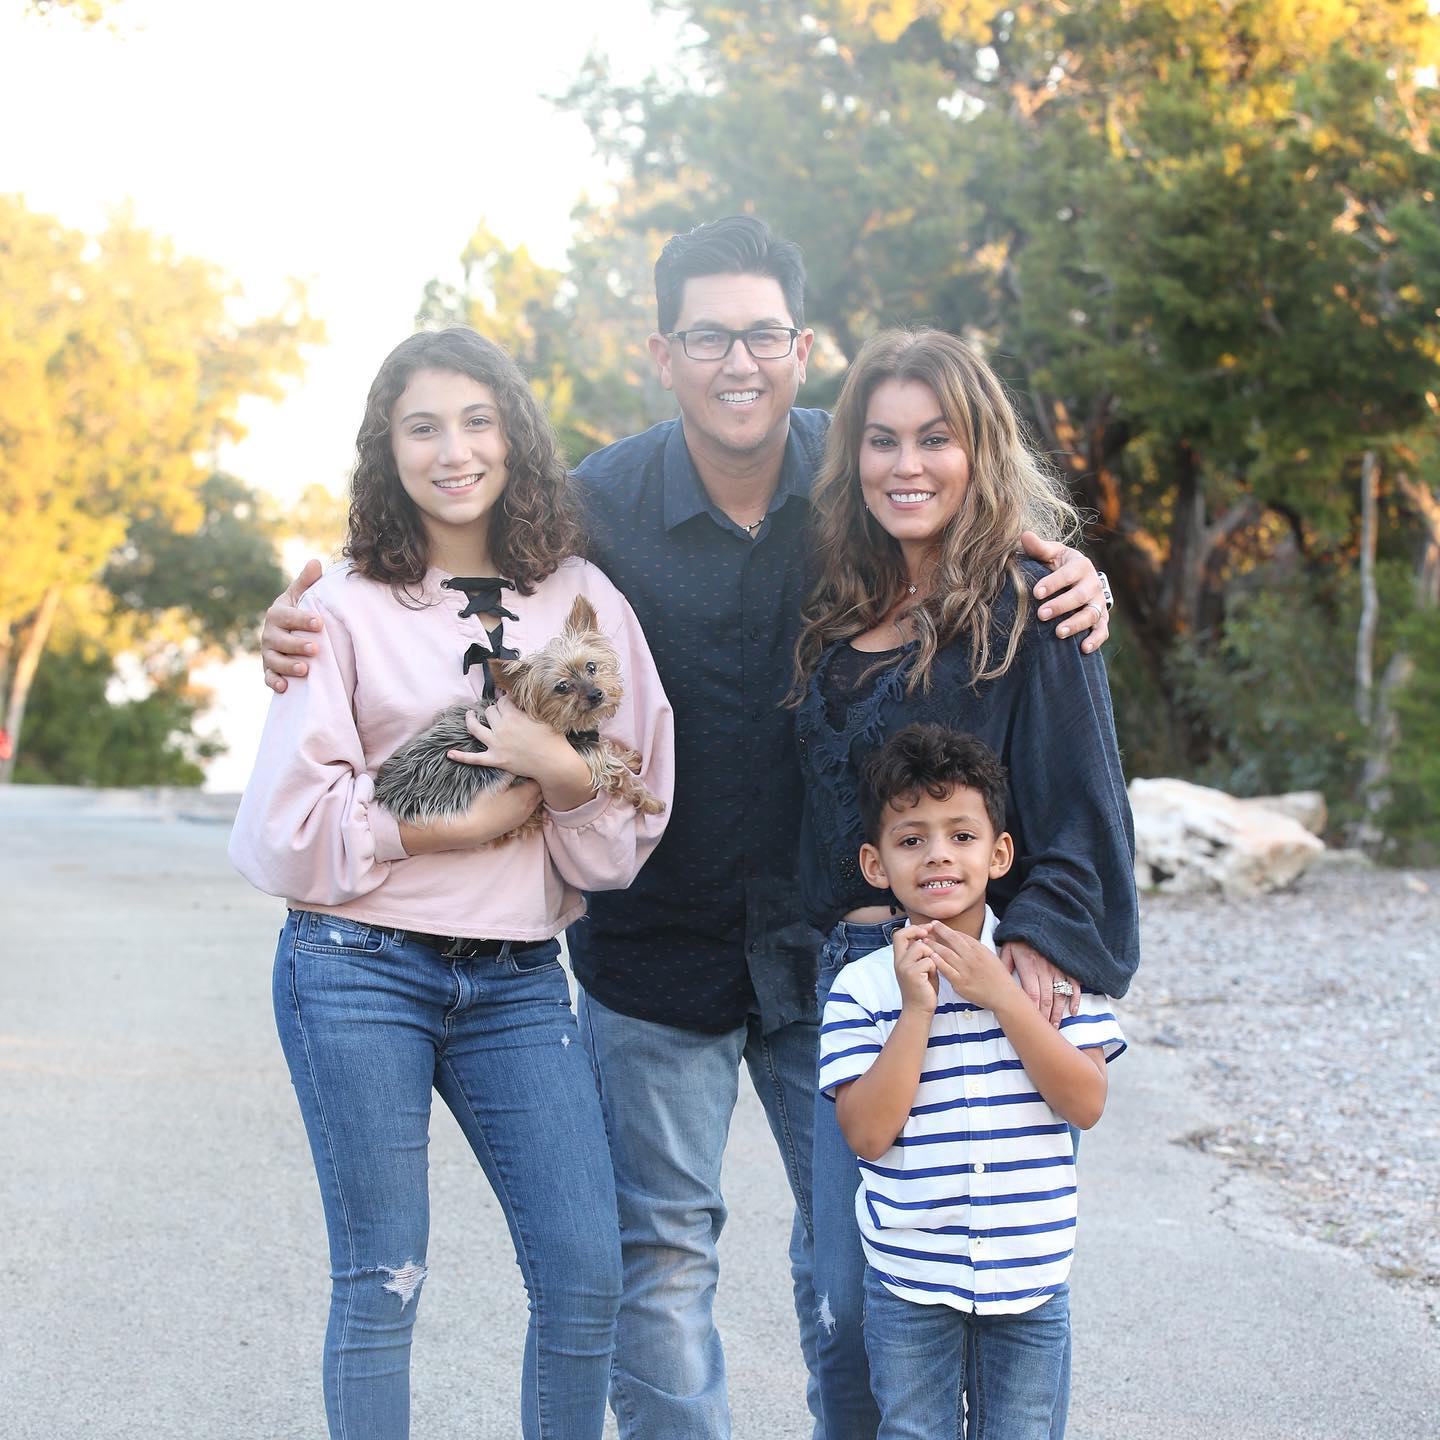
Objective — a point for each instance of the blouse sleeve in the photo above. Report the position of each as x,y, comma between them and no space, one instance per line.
1076,899
602,844
308,828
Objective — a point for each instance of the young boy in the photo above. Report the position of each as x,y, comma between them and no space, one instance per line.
958,1098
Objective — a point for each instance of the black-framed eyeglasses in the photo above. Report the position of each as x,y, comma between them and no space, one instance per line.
764,342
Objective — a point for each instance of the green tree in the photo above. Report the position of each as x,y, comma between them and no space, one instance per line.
219,578
1202,242
577,333
79,736
121,368
164,602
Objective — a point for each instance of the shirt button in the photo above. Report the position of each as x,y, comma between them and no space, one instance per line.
754,632
756,714
979,1167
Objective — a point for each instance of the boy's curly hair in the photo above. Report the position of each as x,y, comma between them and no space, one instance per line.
930,760
537,522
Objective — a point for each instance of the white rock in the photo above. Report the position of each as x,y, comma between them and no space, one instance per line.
1306,806
1189,838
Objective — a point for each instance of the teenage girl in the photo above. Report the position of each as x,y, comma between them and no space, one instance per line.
414,957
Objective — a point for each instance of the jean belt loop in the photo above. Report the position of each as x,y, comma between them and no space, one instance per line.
504,954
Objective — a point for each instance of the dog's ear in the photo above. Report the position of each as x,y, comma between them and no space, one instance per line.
502,672
582,617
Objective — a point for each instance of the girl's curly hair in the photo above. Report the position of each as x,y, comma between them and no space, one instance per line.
537,522
861,573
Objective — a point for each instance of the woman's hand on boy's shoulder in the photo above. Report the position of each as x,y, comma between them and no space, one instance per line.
1073,590
1038,977
285,636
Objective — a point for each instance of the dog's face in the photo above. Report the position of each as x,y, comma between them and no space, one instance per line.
573,682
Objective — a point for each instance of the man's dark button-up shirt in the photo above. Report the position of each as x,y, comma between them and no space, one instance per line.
712,928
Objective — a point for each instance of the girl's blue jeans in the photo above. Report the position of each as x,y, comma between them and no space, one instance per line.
371,1022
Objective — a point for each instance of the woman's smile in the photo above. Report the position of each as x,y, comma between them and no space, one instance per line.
913,469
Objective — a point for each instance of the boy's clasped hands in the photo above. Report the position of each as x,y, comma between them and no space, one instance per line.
923,953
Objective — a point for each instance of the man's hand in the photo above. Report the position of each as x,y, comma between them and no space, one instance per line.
1037,977
915,969
1072,589
285,636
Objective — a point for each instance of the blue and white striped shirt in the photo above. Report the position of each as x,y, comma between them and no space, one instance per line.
974,1204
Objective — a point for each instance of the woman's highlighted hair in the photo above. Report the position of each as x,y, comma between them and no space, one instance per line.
861,572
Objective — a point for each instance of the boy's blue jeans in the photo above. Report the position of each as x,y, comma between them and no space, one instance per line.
370,1022
942,1374
841,1364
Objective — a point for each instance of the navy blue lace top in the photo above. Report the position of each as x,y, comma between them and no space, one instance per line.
1071,891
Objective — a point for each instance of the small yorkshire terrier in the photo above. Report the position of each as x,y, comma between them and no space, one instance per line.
571,684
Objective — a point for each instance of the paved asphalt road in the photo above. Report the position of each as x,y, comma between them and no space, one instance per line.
163,1268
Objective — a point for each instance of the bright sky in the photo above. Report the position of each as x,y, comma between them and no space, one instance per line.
353,145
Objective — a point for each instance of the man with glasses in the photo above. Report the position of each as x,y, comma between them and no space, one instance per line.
705,963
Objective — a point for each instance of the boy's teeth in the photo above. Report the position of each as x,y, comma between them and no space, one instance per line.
740,397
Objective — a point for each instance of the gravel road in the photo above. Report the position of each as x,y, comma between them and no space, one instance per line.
1308,1016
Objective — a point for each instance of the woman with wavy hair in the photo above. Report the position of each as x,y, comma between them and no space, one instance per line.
423,956
921,612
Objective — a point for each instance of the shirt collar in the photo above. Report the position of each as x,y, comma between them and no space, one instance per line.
685,496
987,931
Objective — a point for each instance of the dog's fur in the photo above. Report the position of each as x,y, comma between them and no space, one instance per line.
571,684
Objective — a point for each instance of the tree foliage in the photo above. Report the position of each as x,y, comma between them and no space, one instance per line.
121,368
219,578
576,332
78,735
1201,242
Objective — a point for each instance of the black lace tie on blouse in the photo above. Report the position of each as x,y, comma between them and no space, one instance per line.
484,593
484,599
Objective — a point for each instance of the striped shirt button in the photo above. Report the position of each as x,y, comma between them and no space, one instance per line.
979,1167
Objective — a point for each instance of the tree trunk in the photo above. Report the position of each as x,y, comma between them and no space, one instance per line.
1185,567
32,646
1370,600
1385,732
1426,505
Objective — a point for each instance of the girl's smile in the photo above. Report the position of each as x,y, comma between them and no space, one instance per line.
450,454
